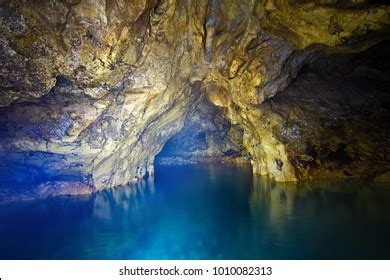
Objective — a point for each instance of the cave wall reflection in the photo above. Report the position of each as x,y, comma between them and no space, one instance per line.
209,211
335,211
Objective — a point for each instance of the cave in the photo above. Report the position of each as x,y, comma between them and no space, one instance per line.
286,99
350,93
206,137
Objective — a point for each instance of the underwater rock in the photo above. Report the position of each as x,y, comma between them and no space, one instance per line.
57,188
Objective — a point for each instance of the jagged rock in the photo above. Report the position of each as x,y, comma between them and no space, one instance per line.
104,84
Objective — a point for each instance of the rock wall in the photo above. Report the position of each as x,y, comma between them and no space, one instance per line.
98,86
332,120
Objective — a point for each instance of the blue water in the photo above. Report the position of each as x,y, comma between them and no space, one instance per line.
204,212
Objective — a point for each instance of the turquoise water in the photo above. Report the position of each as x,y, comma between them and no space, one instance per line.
204,212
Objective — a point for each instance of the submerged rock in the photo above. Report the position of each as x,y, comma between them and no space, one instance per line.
48,189
103,84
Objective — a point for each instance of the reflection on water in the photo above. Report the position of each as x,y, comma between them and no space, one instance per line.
204,212
323,219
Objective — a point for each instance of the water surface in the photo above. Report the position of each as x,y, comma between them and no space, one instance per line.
204,212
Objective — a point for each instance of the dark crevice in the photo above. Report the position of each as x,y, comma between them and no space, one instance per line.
207,136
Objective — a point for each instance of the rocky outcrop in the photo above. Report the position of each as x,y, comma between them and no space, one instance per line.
98,87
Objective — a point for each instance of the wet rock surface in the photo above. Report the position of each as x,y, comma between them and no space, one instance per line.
100,86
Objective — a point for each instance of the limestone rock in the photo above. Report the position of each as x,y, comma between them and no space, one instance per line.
330,122
104,84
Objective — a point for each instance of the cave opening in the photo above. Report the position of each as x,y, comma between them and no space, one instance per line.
343,96
207,136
